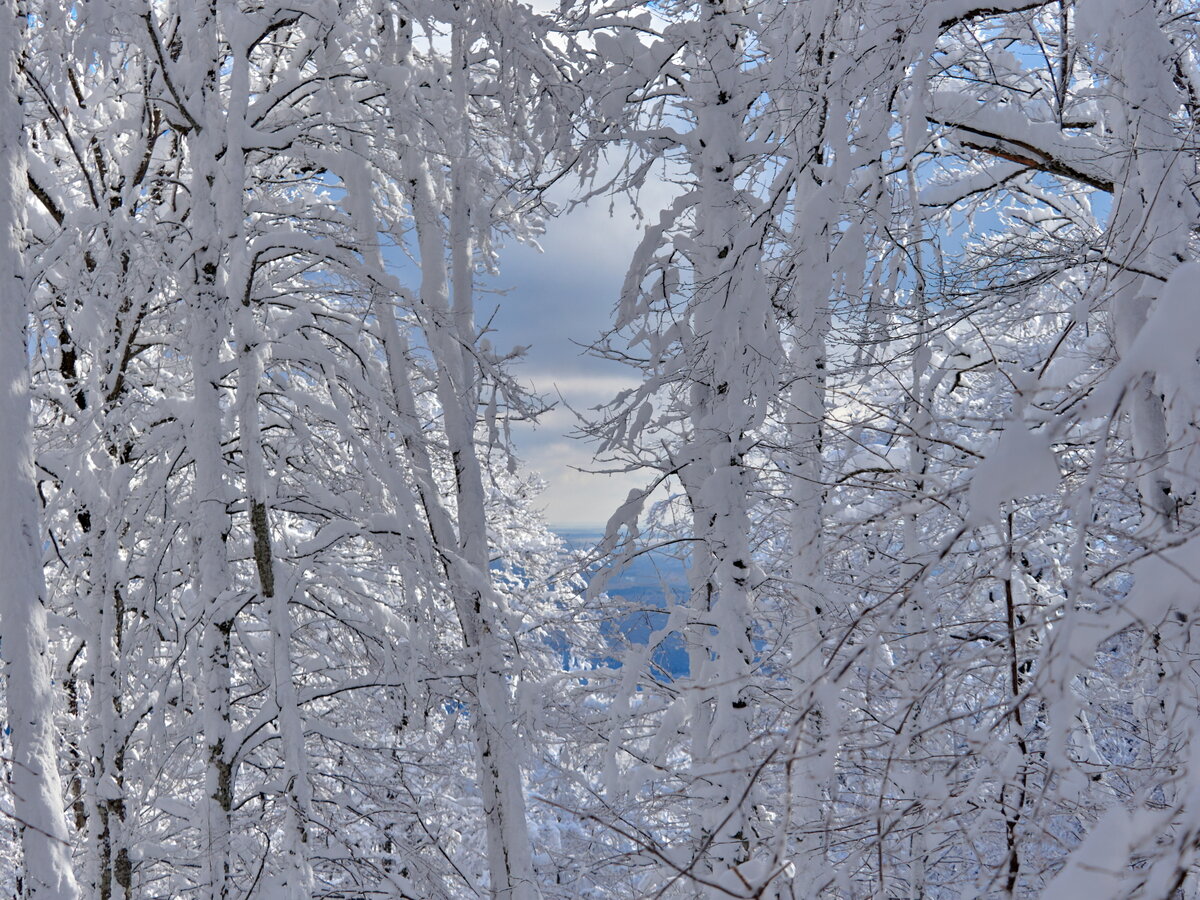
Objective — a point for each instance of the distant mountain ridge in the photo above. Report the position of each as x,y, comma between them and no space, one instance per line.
643,583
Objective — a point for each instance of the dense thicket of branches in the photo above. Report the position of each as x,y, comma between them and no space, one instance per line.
917,344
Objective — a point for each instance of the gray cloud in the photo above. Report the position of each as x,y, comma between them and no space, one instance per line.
557,300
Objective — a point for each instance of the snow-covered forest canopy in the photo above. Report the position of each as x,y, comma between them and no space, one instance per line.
913,329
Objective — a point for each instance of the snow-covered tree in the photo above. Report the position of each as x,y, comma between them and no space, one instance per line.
917,409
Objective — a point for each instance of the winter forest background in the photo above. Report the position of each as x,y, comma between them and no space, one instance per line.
901,603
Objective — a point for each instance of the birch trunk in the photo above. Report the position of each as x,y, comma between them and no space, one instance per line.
296,869
212,586
727,347
914,618
807,398
46,872
207,329
106,796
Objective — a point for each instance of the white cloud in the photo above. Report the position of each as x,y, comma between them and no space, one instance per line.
575,498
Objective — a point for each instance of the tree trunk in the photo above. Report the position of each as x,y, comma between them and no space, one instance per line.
36,787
